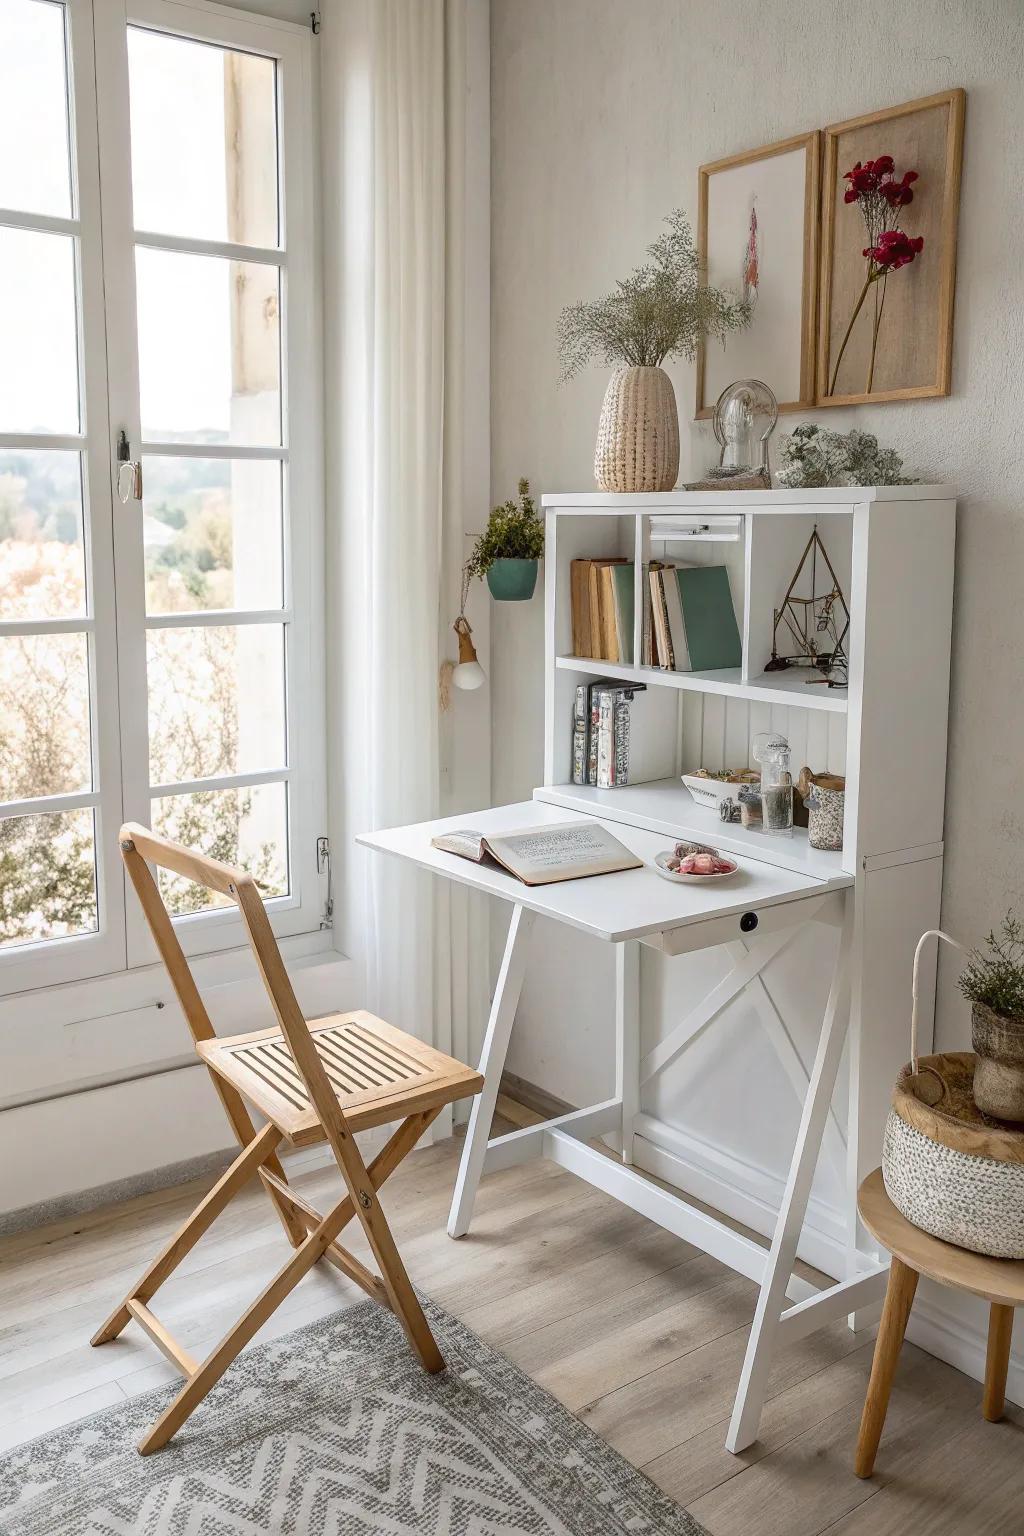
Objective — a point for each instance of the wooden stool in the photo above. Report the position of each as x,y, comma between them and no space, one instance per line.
915,1253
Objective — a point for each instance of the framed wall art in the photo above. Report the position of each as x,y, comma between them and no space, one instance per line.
888,252
757,234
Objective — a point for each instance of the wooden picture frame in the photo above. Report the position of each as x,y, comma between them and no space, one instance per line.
761,355
924,135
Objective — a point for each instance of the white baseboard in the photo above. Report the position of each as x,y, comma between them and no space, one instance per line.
937,1324
738,1189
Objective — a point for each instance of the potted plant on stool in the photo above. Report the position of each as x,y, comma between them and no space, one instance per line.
509,548
993,984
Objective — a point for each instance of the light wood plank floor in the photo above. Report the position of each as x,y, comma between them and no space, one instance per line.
635,1331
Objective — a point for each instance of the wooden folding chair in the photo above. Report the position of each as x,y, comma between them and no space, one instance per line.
314,1082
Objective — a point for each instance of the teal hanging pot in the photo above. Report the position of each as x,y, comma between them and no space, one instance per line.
512,581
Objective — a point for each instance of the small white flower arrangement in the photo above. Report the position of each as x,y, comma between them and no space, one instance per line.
813,456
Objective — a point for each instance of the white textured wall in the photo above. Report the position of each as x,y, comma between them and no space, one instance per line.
602,112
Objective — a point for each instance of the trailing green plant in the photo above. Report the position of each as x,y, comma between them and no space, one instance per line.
661,310
514,532
996,979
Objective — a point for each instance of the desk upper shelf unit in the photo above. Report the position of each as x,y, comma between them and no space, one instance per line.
892,548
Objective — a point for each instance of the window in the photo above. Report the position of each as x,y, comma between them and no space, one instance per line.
156,292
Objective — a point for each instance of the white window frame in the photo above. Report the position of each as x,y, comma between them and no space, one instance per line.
90,954
100,115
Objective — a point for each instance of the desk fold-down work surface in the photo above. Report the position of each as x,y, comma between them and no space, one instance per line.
633,904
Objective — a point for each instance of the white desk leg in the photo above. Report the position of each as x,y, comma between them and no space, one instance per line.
492,1062
627,1039
746,1414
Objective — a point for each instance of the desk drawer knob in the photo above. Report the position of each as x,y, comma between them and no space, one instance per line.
748,922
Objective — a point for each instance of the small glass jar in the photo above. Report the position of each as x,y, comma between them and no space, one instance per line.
750,807
772,751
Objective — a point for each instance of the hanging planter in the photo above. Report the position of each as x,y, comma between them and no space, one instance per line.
512,581
509,549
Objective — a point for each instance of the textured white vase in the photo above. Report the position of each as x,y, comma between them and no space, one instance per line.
638,434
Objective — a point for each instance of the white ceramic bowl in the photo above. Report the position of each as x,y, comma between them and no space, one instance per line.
661,865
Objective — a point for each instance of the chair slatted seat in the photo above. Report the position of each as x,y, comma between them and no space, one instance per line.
376,1072
313,1081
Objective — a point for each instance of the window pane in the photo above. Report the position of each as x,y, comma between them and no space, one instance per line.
34,169
47,877
38,336
216,701
42,568
44,716
212,534
209,349
240,826
215,176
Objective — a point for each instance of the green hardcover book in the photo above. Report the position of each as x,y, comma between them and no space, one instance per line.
622,582
712,635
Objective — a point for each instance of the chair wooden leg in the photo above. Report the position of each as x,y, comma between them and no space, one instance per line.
401,1296
241,1124
251,1321
1000,1329
899,1298
319,1242
260,1149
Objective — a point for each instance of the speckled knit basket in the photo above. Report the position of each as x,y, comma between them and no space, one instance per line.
949,1169
638,434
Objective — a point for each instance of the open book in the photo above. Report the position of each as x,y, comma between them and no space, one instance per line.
541,855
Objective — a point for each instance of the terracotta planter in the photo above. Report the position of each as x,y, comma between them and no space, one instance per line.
512,581
999,1074
638,434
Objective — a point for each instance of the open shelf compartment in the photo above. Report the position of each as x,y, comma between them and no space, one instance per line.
683,721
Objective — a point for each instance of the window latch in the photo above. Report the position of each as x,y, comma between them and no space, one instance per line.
129,471
323,866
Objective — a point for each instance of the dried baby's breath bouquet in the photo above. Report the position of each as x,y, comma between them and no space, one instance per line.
661,310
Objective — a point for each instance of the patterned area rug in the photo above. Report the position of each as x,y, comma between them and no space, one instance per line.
336,1431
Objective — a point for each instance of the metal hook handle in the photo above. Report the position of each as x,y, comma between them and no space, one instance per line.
129,471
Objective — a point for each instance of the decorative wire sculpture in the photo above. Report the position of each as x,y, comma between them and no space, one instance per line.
817,625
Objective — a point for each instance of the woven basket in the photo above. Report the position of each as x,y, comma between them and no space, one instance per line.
638,434
947,1167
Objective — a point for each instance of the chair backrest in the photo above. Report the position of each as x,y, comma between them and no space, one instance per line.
139,845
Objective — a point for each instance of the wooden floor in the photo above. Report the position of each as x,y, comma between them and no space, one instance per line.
635,1331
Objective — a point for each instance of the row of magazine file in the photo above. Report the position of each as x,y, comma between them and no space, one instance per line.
600,732
689,623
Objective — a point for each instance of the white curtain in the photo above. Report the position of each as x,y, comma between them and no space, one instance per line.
393,88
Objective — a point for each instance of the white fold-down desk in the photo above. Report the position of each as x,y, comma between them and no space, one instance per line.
754,914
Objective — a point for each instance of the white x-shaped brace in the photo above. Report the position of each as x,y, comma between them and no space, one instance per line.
750,960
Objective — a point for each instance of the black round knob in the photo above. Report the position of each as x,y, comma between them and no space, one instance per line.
748,922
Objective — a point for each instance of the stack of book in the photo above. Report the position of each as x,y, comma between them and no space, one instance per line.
601,731
602,609
690,623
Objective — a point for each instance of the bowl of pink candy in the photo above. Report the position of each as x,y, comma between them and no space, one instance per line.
692,863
